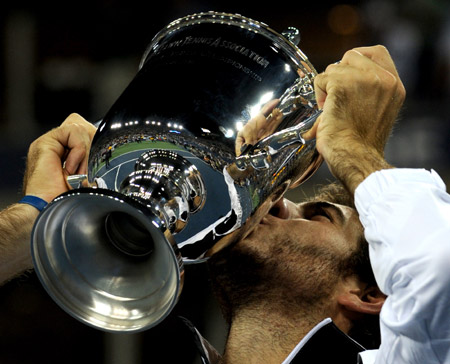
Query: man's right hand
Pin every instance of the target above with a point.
(67, 145)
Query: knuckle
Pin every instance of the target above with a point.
(401, 91)
(387, 81)
(74, 116)
(371, 79)
(33, 146)
(379, 51)
(72, 119)
(331, 67)
(348, 53)
(381, 48)
(318, 78)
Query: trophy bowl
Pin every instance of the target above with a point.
(189, 157)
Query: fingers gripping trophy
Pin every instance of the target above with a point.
(189, 158)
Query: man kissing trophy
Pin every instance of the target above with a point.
(202, 141)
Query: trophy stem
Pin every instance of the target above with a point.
(169, 185)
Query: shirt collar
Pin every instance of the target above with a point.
(324, 344)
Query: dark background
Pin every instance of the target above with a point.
(62, 57)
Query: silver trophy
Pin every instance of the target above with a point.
(186, 161)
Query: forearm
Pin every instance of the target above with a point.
(353, 166)
(16, 223)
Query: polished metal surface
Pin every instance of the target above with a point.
(182, 165)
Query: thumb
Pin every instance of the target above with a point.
(312, 133)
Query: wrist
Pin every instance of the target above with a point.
(353, 166)
(47, 193)
(34, 201)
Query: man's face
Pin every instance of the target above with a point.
(295, 253)
(316, 224)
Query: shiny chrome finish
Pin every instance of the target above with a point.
(183, 164)
(292, 34)
(116, 279)
(168, 185)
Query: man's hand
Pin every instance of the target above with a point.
(61, 152)
(45, 177)
(360, 97)
(259, 127)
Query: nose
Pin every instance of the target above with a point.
(280, 209)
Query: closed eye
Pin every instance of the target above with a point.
(317, 212)
(320, 213)
(322, 210)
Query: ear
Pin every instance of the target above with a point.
(368, 300)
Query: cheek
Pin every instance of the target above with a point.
(302, 266)
(286, 240)
(323, 237)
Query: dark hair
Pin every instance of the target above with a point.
(333, 192)
(366, 331)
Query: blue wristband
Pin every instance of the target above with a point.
(34, 201)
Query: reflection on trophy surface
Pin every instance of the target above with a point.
(185, 162)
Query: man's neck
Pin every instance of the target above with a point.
(265, 335)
